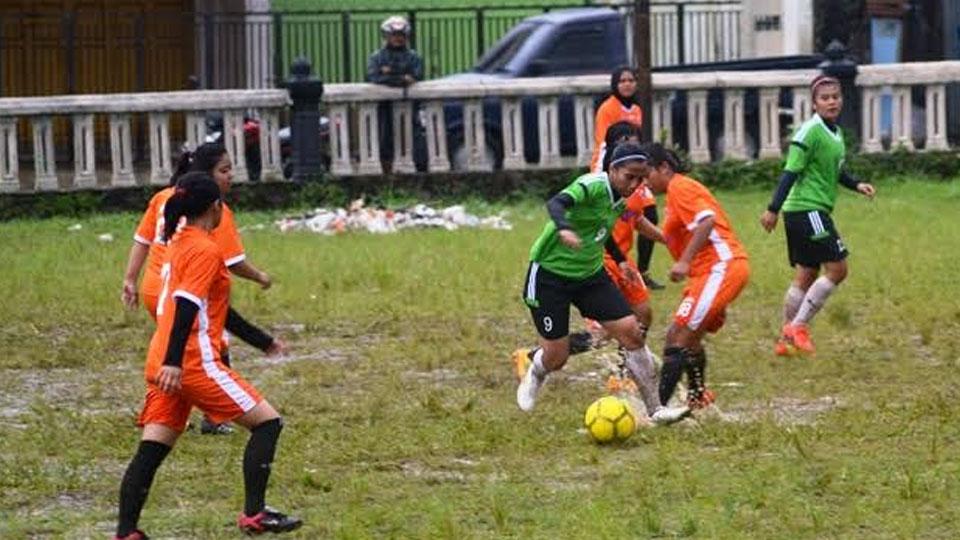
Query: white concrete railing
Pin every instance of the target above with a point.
(347, 102)
(120, 108)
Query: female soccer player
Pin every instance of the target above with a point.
(148, 244)
(709, 256)
(184, 369)
(807, 193)
(566, 267)
(623, 105)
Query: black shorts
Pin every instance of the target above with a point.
(812, 239)
(549, 296)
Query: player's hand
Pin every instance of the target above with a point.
(631, 273)
(169, 379)
(264, 280)
(866, 189)
(679, 271)
(569, 239)
(276, 349)
(768, 220)
(129, 294)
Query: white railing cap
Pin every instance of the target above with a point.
(190, 100)
(909, 73)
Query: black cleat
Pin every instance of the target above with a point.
(651, 283)
(269, 520)
(209, 428)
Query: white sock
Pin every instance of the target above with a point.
(641, 366)
(537, 365)
(791, 302)
(815, 298)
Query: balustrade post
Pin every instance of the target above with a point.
(549, 124)
(369, 139)
(340, 163)
(44, 162)
(584, 119)
(271, 167)
(160, 168)
(196, 129)
(438, 160)
(305, 92)
(475, 136)
(734, 134)
(403, 137)
(902, 118)
(85, 170)
(769, 123)
(9, 158)
(663, 118)
(802, 106)
(121, 151)
(870, 138)
(235, 143)
(699, 141)
(936, 111)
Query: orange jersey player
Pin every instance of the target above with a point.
(712, 260)
(184, 368)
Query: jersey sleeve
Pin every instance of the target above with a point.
(801, 146)
(199, 273)
(147, 228)
(227, 238)
(692, 207)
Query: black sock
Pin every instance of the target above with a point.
(580, 342)
(674, 364)
(256, 464)
(136, 483)
(697, 373)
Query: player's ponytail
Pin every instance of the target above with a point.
(183, 166)
(194, 194)
(203, 159)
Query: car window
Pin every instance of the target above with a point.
(578, 50)
(503, 51)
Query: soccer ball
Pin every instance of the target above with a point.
(610, 419)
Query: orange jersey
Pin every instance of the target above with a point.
(194, 270)
(150, 232)
(610, 112)
(688, 203)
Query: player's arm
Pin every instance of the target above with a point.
(628, 268)
(852, 183)
(138, 254)
(699, 238)
(248, 271)
(557, 208)
(184, 314)
(250, 333)
(648, 230)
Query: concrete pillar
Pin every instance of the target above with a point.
(584, 117)
(699, 139)
(369, 139)
(734, 133)
(234, 142)
(196, 129)
(84, 166)
(902, 118)
(936, 111)
(663, 118)
(9, 158)
(474, 136)
(870, 123)
(512, 123)
(341, 163)
(160, 168)
(548, 121)
(121, 151)
(437, 160)
(403, 137)
(44, 162)
(769, 123)
(271, 165)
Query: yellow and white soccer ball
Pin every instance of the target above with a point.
(610, 419)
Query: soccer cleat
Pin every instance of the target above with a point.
(706, 398)
(621, 385)
(669, 415)
(209, 428)
(269, 520)
(521, 361)
(651, 283)
(528, 389)
(135, 535)
(784, 348)
(799, 335)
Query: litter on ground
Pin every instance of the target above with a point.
(358, 217)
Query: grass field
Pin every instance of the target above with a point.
(399, 401)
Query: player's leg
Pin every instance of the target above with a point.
(548, 298)
(163, 418)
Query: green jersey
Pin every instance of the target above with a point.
(816, 156)
(596, 206)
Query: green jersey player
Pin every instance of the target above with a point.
(566, 267)
(806, 195)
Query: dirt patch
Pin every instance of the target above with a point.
(90, 391)
(785, 411)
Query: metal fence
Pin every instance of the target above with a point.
(96, 51)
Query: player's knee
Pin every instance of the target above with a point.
(837, 273)
(270, 428)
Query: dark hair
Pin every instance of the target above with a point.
(615, 81)
(194, 194)
(627, 152)
(660, 154)
(617, 133)
(203, 159)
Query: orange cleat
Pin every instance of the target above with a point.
(799, 335)
(707, 398)
(619, 385)
(783, 347)
(521, 361)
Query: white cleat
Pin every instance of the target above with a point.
(669, 415)
(528, 390)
